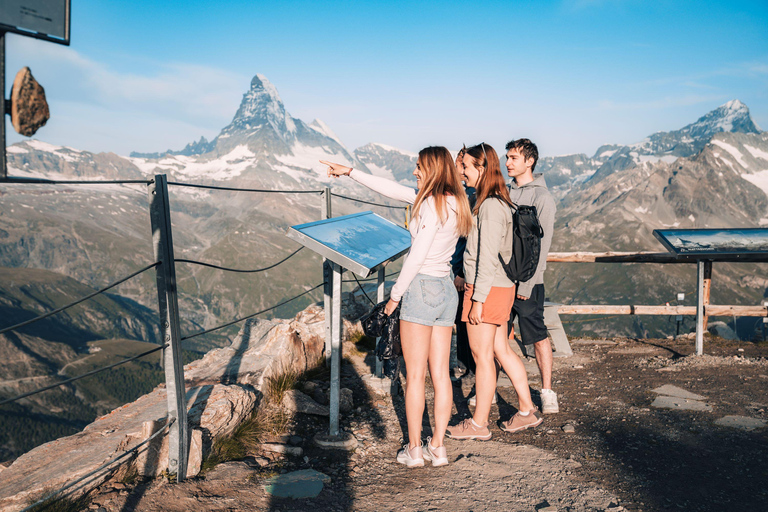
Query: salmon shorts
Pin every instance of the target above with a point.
(497, 305)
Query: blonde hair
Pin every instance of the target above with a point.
(440, 180)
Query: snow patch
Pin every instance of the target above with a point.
(16, 149)
(640, 209)
(735, 153)
(756, 152)
(565, 171)
(758, 179)
(607, 153)
(381, 171)
(692, 218)
(390, 148)
(653, 159)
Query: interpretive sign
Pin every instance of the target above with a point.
(42, 19)
(712, 243)
(360, 242)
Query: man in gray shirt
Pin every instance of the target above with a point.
(527, 188)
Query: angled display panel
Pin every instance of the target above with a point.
(360, 242)
(41, 19)
(749, 242)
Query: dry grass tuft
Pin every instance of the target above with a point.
(63, 504)
(276, 385)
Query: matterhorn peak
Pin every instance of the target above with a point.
(261, 107)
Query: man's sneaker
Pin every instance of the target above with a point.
(411, 457)
(438, 456)
(549, 402)
(473, 399)
(519, 422)
(468, 429)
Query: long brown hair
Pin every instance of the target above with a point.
(491, 182)
(441, 179)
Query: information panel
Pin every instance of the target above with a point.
(42, 19)
(714, 242)
(360, 242)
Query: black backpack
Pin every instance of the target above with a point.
(526, 244)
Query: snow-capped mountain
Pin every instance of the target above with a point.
(388, 162)
(564, 173)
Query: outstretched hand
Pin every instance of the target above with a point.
(336, 170)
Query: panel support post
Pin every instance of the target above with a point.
(379, 298)
(3, 160)
(325, 213)
(700, 307)
(160, 217)
(336, 333)
(707, 290)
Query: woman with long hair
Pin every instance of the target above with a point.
(488, 296)
(439, 216)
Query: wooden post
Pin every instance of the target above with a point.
(160, 217)
(327, 276)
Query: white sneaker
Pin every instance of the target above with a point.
(411, 457)
(473, 399)
(549, 402)
(438, 456)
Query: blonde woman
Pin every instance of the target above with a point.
(488, 296)
(425, 287)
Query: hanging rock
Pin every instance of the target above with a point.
(345, 400)
(29, 109)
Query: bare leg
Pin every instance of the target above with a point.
(415, 339)
(439, 363)
(543, 351)
(514, 367)
(481, 343)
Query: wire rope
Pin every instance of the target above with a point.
(239, 270)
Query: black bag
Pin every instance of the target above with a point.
(378, 324)
(526, 244)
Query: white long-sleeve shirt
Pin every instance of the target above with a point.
(432, 242)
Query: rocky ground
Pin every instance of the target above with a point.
(624, 453)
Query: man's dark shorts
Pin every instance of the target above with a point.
(530, 316)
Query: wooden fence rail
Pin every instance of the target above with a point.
(701, 311)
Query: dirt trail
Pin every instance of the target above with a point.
(624, 455)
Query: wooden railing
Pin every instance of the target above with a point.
(702, 310)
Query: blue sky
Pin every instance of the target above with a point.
(571, 75)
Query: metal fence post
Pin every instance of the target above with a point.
(160, 216)
(699, 307)
(327, 275)
(379, 298)
(3, 160)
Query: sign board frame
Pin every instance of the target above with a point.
(48, 20)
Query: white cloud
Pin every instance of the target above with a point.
(197, 100)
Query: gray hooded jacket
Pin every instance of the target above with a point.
(536, 194)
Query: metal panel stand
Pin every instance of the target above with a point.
(160, 217)
(335, 438)
(699, 307)
(325, 213)
(379, 298)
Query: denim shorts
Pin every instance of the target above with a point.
(430, 300)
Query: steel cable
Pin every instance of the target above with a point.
(36, 181)
(213, 187)
(367, 202)
(362, 289)
(251, 315)
(368, 278)
(58, 310)
(238, 270)
(102, 467)
(88, 374)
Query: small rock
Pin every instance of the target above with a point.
(118, 485)
(309, 387)
(296, 401)
(295, 440)
(319, 396)
(569, 429)
(29, 109)
(281, 448)
(345, 400)
(262, 461)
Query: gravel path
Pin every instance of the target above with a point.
(624, 454)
